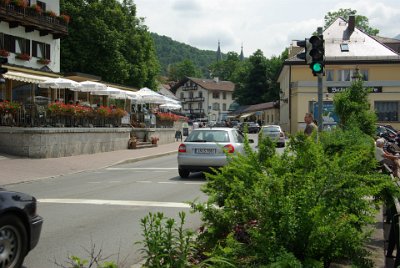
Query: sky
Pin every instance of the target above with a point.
(268, 25)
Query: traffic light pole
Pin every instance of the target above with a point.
(320, 94)
(320, 104)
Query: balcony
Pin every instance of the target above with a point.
(194, 99)
(31, 20)
(191, 87)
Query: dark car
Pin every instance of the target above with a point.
(252, 127)
(20, 227)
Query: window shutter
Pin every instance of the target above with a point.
(27, 46)
(47, 51)
(34, 48)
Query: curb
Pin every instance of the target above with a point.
(137, 159)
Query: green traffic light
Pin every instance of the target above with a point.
(317, 67)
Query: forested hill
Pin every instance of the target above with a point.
(171, 52)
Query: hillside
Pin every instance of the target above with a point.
(170, 51)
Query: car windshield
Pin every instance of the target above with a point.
(271, 129)
(208, 136)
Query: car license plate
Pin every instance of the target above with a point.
(205, 151)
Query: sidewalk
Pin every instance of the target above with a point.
(15, 169)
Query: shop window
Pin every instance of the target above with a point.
(387, 110)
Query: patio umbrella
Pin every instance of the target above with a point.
(89, 86)
(60, 83)
(150, 96)
(109, 91)
(171, 106)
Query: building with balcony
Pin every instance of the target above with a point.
(348, 51)
(205, 98)
(30, 35)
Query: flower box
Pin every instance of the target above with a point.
(44, 61)
(65, 18)
(4, 53)
(23, 56)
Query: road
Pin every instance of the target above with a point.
(104, 207)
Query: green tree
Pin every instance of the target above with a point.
(183, 69)
(362, 22)
(353, 108)
(225, 69)
(107, 39)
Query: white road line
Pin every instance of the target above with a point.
(167, 182)
(115, 203)
(111, 168)
(194, 183)
(95, 182)
(145, 181)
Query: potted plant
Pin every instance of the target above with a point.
(43, 61)
(132, 142)
(65, 18)
(36, 8)
(154, 140)
(4, 53)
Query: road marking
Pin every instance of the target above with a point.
(145, 181)
(115, 203)
(111, 168)
(167, 182)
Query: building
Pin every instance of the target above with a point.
(205, 98)
(267, 113)
(30, 35)
(347, 50)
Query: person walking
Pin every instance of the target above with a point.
(310, 125)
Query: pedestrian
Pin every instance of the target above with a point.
(310, 125)
(384, 156)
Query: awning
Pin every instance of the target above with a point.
(23, 77)
(246, 115)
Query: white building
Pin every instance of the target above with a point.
(205, 98)
(30, 39)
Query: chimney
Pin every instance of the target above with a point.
(351, 23)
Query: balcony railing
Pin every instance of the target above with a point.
(192, 87)
(194, 99)
(31, 20)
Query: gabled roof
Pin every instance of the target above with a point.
(208, 84)
(255, 107)
(361, 46)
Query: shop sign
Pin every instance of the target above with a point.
(340, 89)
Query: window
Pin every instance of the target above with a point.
(224, 107)
(344, 47)
(40, 50)
(200, 94)
(42, 5)
(344, 75)
(182, 95)
(364, 74)
(190, 106)
(329, 75)
(215, 106)
(215, 95)
(267, 118)
(224, 95)
(191, 95)
(387, 110)
(272, 118)
(200, 105)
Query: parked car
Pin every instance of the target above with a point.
(386, 132)
(20, 227)
(275, 133)
(204, 148)
(252, 127)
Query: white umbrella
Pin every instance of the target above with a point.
(171, 106)
(89, 86)
(60, 83)
(109, 91)
(150, 96)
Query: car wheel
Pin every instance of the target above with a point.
(184, 173)
(13, 241)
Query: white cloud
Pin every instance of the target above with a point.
(268, 25)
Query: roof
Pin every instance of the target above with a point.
(208, 84)
(361, 46)
(256, 107)
(386, 40)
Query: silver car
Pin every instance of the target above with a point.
(204, 148)
(275, 133)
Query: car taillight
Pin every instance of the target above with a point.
(229, 148)
(182, 148)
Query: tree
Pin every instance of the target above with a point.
(225, 69)
(180, 70)
(107, 39)
(353, 108)
(362, 22)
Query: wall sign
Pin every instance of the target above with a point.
(340, 89)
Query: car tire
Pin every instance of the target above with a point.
(13, 241)
(184, 173)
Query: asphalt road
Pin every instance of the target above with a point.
(103, 208)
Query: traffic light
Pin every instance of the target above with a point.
(307, 48)
(3, 60)
(317, 54)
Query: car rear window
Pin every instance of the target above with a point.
(271, 129)
(208, 136)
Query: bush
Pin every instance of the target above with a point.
(309, 203)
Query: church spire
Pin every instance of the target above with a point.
(219, 55)
(241, 57)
